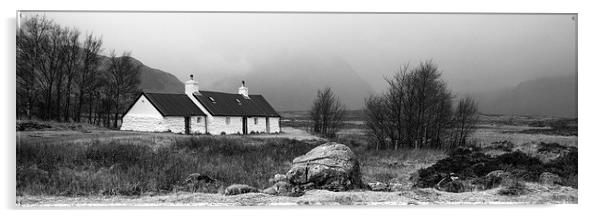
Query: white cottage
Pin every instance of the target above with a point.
(202, 112)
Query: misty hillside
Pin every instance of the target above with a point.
(554, 96)
(153, 80)
(290, 82)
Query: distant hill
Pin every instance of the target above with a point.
(553, 96)
(153, 80)
(291, 81)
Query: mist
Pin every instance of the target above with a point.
(477, 53)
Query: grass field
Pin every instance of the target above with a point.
(71, 162)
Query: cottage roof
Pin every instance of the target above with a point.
(227, 104)
(173, 104)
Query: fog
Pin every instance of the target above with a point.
(476, 52)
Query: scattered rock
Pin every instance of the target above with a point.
(278, 178)
(237, 189)
(330, 166)
(496, 178)
(451, 183)
(395, 187)
(283, 188)
(379, 186)
(547, 178)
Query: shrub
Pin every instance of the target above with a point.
(473, 165)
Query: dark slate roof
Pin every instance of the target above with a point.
(173, 104)
(227, 104)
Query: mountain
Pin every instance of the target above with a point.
(153, 80)
(291, 81)
(553, 96)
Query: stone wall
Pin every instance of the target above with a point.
(143, 123)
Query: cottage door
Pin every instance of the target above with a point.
(187, 125)
(267, 124)
(244, 125)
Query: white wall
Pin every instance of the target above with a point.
(274, 124)
(217, 125)
(197, 125)
(143, 107)
(143, 123)
(174, 124)
(143, 116)
(260, 127)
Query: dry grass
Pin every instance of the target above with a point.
(120, 167)
(487, 134)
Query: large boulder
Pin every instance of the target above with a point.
(330, 166)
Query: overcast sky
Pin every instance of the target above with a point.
(476, 52)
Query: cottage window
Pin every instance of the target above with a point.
(198, 119)
(255, 120)
(227, 120)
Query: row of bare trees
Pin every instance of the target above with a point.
(62, 76)
(416, 111)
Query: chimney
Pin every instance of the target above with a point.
(244, 91)
(191, 86)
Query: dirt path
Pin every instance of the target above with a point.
(537, 194)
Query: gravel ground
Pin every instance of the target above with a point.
(537, 194)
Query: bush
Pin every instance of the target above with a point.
(471, 164)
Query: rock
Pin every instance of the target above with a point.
(278, 178)
(455, 186)
(197, 177)
(395, 187)
(237, 189)
(283, 188)
(496, 178)
(451, 183)
(330, 166)
(378, 186)
(547, 178)
(270, 191)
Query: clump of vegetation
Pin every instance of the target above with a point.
(471, 164)
(31, 125)
(122, 168)
(62, 76)
(416, 111)
(327, 113)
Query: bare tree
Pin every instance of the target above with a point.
(378, 121)
(71, 69)
(415, 110)
(31, 36)
(123, 80)
(464, 120)
(327, 113)
(87, 77)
